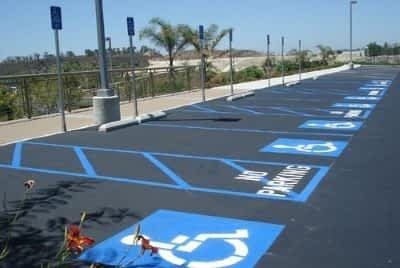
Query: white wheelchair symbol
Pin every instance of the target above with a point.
(327, 147)
(178, 244)
(340, 125)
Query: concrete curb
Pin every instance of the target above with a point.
(240, 96)
(292, 83)
(130, 122)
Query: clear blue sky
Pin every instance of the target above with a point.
(25, 26)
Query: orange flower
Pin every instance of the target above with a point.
(77, 242)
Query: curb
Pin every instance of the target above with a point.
(130, 122)
(240, 96)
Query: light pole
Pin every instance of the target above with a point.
(353, 2)
(105, 103)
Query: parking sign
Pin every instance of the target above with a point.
(56, 21)
(131, 26)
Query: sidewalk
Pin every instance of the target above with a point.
(23, 129)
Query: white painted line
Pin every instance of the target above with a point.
(180, 239)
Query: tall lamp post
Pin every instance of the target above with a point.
(105, 104)
(353, 2)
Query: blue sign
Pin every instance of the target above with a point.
(230, 35)
(332, 125)
(268, 40)
(131, 26)
(56, 20)
(363, 98)
(306, 147)
(354, 105)
(201, 32)
(188, 240)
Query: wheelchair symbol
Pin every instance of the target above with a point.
(327, 147)
(340, 125)
(182, 243)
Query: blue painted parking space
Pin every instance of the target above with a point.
(306, 147)
(354, 105)
(238, 177)
(191, 241)
(332, 125)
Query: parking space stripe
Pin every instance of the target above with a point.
(16, 160)
(84, 161)
(166, 170)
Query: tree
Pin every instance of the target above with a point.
(326, 53)
(89, 53)
(166, 36)
(212, 37)
(374, 49)
(70, 54)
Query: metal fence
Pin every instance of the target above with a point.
(37, 94)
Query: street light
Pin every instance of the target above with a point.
(353, 2)
(105, 104)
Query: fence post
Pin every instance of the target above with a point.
(188, 78)
(27, 99)
(151, 85)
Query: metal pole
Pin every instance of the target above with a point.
(268, 62)
(300, 60)
(351, 34)
(104, 91)
(231, 58)
(60, 84)
(132, 52)
(282, 61)
(202, 71)
(108, 39)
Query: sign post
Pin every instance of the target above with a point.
(231, 57)
(283, 61)
(56, 25)
(268, 62)
(300, 60)
(202, 66)
(131, 32)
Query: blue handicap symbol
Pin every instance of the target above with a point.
(332, 125)
(354, 105)
(188, 240)
(306, 147)
(363, 98)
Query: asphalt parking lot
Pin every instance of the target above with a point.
(302, 176)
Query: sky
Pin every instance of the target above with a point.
(25, 24)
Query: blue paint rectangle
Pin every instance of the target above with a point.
(354, 105)
(188, 240)
(363, 98)
(332, 125)
(306, 147)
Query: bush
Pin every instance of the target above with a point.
(249, 74)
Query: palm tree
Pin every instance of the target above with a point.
(166, 36)
(326, 53)
(212, 37)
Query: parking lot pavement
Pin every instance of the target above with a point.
(301, 176)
